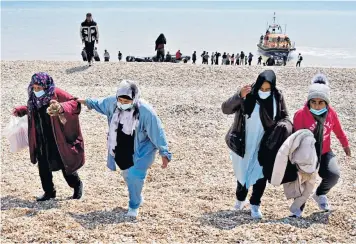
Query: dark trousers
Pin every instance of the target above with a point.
(329, 172)
(298, 63)
(46, 176)
(89, 49)
(194, 61)
(249, 62)
(160, 55)
(259, 62)
(257, 191)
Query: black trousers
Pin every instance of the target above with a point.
(194, 61)
(257, 191)
(298, 64)
(89, 49)
(46, 176)
(160, 55)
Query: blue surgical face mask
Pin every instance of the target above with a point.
(39, 93)
(124, 106)
(264, 95)
(318, 112)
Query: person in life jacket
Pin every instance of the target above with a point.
(89, 34)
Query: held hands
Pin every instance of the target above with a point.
(245, 90)
(54, 108)
(81, 101)
(164, 162)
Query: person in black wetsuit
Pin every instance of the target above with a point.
(194, 57)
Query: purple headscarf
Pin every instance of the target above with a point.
(45, 80)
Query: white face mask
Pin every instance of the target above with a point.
(264, 95)
(124, 106)
(39, 93)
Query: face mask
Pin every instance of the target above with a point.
(264, 95)
(39, 93)
(318, 112)
(124, 106)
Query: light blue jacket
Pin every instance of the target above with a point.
(149, 134)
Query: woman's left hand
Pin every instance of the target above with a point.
(165, 162)
(347, 150)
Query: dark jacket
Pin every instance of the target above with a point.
(269, 147)
(235, 138)
(160, 42)
(68, 137)
(89, 31)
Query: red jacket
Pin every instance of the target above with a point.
(178, 55)
(303, 119)
(68, 137)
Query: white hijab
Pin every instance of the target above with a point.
(128, 118)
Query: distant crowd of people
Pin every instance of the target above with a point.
(89, 33)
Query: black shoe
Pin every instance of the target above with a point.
(78, 191)
(47, 196)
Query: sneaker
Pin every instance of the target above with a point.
(296, 214)
(322, 201)
(78, 191)
(256, 212)
(46, 196)
(239, 205)
(132, 212)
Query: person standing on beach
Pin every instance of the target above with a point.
(135, 135)
(119, 56)
(54, 135)
(250, 56)
(89, 34)
(232, 59)
(246, 60)
(259, 60)
(194, 57)
(106, 56)
(318, 116)
(159, 47)
(242, 58)
(217, 56)
(212, 58)
(237, 59)
(96, 55)
(257, 109)
(300, 59)
(224, 56)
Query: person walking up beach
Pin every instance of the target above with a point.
(319, 116)
(259, 60)
(54, 135)
(194, 57)
(135, 135)
(159, 47)
(300, 59)
(257, 109)
(89, 34)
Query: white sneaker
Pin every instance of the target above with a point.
(132, 212)
(296, 214)
(322, 201)
(256, 212)
(239, 205)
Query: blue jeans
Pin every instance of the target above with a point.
(135, 178)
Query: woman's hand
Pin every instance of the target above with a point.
(165, 162)
(81, 101)
(245, 90)
(347, 150)
(54, 108)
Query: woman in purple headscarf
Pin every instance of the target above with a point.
(55, 138)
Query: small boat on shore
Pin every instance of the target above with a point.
(275, 42)
(147, 59)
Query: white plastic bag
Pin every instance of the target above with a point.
(17, 133)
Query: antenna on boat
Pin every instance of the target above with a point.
(274, 17)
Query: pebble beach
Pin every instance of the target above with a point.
(192, 200)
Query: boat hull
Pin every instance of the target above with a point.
(274, 51)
